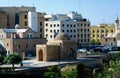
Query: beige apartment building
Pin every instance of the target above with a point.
(101, 31)
(3, 19)
(13, 14)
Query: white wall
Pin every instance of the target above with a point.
(32, 20)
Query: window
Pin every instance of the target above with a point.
(114, 39)
(46, 30)
(50, 36)
(54, 30)
(88, 30)
(62, 30)
(57, 30)
(74, 25)
(62, 25)
(88, 35)
(70, 25)
(40, 23)
(67, 25)
(84, 30)
(81, 30)
(85, 25)
(46, 24)
(74, 36)
(97, 35)
(18, 46)
(67, 30)
(70, 30)
(106, 39)
(50, 30)
(57, 25)
(81, 25)
(81, 35)
(88, 24)
(78, 25)
(102, 31)
(93, 31)
(7, 44)
(26, 23)
(40, 35)
(29, 35)
(84, 35)
(81, 40)
(111, 31)
(78, 35)
(41, 30)
(74, 31)
(26, 45)
(97, 31)
(25, 17)
(46, 35)
(77, 30)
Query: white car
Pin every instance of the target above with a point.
(82, 51)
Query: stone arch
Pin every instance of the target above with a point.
(40, 55)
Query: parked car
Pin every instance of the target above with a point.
(82, 51)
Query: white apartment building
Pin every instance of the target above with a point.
(71, 23)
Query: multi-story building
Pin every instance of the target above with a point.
(3, 19)
(22, 40)
(101, 31)
(10, 16)
(13, 14)
(72, 24)
(112, 38)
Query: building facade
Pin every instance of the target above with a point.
(112, 38)
(72, 24)
(20, 40)
(13, 14)
(101, 31)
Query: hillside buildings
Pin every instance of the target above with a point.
(71, 23)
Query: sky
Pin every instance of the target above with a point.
(97, 11)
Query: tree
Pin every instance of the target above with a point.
(93, 42)
(13, 59)
(1, 59)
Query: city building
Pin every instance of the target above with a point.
(13, 14)
(71, 23)
(101, 31)
(61, 48)
(112, 38)
(22, 40)
(3, 19)
(10, 16)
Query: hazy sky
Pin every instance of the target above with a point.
(97, 11)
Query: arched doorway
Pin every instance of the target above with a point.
(40, 55)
